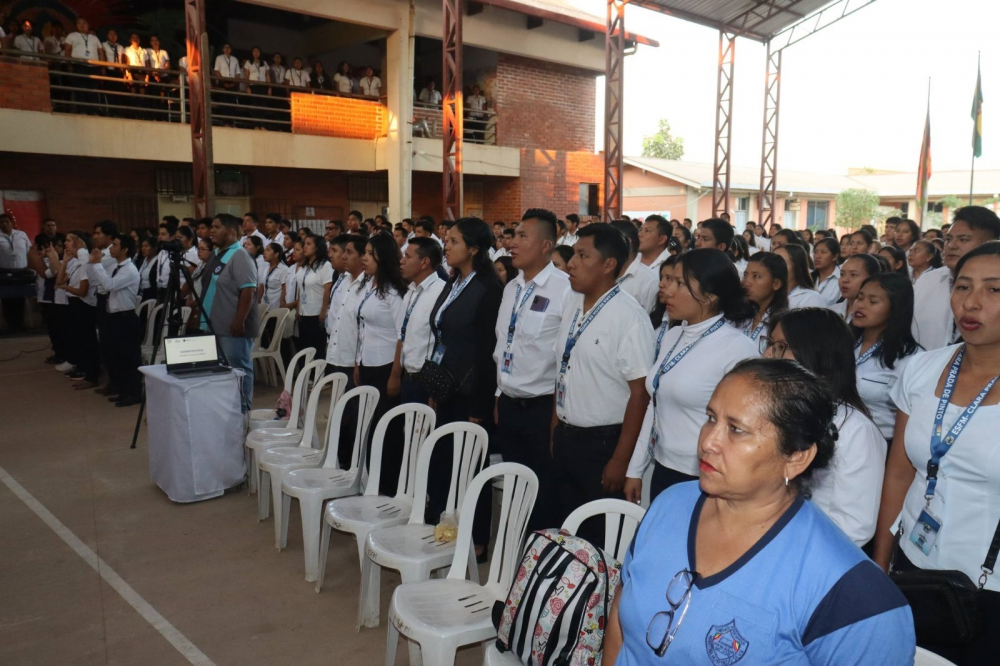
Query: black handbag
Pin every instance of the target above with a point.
(439, 383)
(945, 603)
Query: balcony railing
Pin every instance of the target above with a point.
(480, 126)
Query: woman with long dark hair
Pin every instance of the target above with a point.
(826, 273)
(801, 289)
(923, 256)
(884, 344)
(505, 269)
(683, 234)
(378, 312)
(907, 233)
(147, 271)
(463, 326)
(740, 252)
(853, 273)
(320, 80)
(766, 285)
(896, 259)
(658, 317)
(272, 281)
(849, 490)
(315, 282)
(704, 293)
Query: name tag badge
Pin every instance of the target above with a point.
(561, 393)
(508, 362)
(539, 304)
(653, 438)
(438, 353)
(924, 534)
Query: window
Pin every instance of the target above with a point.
(590, 199)
(740, 214)
(816, 214)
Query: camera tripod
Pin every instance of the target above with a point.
(174, 320)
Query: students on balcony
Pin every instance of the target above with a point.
(429, 95)
(255, 69)
(55, 43)
(476, 105)
(83, 46)
(297, 76)
(227, 67)
(320, 80)
(342, 79)
(370, 85)
(159, 60)
(26, 41)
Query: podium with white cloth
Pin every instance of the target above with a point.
(195, 428)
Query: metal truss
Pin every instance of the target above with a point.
(202, 163)
(767, 196)
(451, 121)
(614, 96)
(723, 126)
(813, 23)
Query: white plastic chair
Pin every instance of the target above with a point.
(292, 439)
(155, 335)
(277, 463)
(928, 658)
(443, 615)
(150, 337)
(361, 515)
(621, 520)
(412, 549)
(289, 434)
(313, 486)
(269, 358)
(268, 418)
(142, 308)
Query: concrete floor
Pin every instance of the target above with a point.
(209, 569)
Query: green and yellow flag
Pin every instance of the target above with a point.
(977, 117)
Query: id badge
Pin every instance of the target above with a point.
(561, 393)
(508, 363)
(438, 353)
(925, 531)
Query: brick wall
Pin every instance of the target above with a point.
(502, 199)
(543, 105)
(24, 85)
(551, 179)
(344, 117)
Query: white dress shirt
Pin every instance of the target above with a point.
(122, 284)
(276, 73)
(30, 44)
(312, 284)
(660, 258)
(53, 45)
(273, 280)
(162, 269)
(850, 489)
(875, 382)
(227, 66)
(419, 338)
(342, 83)
(292, 283)
(567, 239)
(763, 242)
(107, 261)
(535, 347)
(144, 271)
(113, 53)
(641, 283)
(933, 321)
(830, 287)
(371, 86)
(76, 273)
(342, 347)
(741, 267)
(376, 318)
(966, 498)
(841, 309)
(255, 71)
(158, 59)
(800, 297)
(257, 233)
(684, 394)
(14, 249)
(430, 96)
(297, 77)
(85, 47)
(137, 57)
(612, 351)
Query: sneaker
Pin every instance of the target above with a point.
(65, 366)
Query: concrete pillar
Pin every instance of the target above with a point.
(399, 100)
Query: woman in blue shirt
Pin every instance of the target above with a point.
(739, 568)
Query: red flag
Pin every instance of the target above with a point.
(924, 170)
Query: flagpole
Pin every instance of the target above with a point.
(972, 171)
(923, 213)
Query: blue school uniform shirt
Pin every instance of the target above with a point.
(804, 594)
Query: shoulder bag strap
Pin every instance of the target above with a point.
(991, 557)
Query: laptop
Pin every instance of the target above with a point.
(193, 357)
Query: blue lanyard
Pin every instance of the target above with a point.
(371, 290)
(940, 446)
(755, 333)
(452, 295)
(669, 362)
(659, 338)
(409, 310)
(340, 280)
(867, 355)
(516, 309)
(572, 338)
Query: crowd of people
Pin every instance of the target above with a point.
(609, 357)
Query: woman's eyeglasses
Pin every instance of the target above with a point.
(663, 627)
(779, 346)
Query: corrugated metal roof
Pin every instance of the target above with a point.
(757, 19)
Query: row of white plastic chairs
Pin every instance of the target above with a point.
(437, 616)
(266, 357)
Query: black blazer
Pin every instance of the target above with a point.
(316, 85)
(468, 331)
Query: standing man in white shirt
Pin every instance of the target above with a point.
(637, 280)
(526, 353)
(418, 266)
(572, 224)
(297, 76)
(933, 321)
(371, 85)
(654, 235)
(114, 52)
(272, 230)
(120, 351)
(27, 41)
(604, 346)
(227, 67)
(341, 325)
(429, 95)
(83, 46)
(14, 246)
(475, 105)
(159, 60)
(250, 229)
(136, 56)
(714, 233)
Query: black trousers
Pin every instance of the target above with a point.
(524, 429)
(312, 334)
(982, 650)
(664, 477)
(54, 317)
(439, 476)
(86, 352)
(124, 355)
(410, 390)
(13, 312)
(350, 416)
(579, 456)
(392, 447)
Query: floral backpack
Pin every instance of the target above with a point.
(558, 604)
